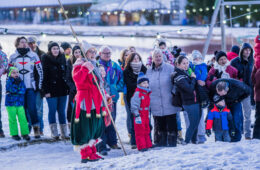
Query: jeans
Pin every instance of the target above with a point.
(30, 107)
(201, 129)
(256, 133)
(1, 126)
(128, 116)
(246, 105)
(57, 104)
(222, 136)
(70, 106)
(39, 107)
(110, 133)
(178, 117)
(194, 114)
(236, 111)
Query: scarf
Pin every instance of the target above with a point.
(23, 51)
(136, 67)
(222, 69)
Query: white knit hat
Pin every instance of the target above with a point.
(86, 46)
(196, 54)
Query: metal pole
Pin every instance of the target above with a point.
(212, 24)
(231, 25)
(103, 97)
(222, 24)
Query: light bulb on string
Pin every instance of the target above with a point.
(168, 11)
(87, 13)
(132, 37)
(115, 13)
(248, 10)
(43, 35)
(224, 22)
(227, 6)
(200, 9)
(255, 10)
(179, 31)
(108, 13)
(174, 11)
(248, 17)
(143, 10)
(5, 31)
(234, 8)
(207, 9)
(181, 11)
(188, 11)
(194, 10)
(158, 36)
(213, 7)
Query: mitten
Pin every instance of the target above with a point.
(208, 132)
(138, 120)
(218, 74)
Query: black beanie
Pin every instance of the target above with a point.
(162, 43)
(65, 45)
(52, 44)
(219, 54)
(217, 98)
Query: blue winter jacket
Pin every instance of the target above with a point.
(114, 77)
(200, 71)
(15, 90)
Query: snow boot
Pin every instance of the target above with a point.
(180, 139)
(36, 130)
(172, 139)
(2, 135)
(162, 139)
(26, 137)
(143, 150)
(115, 147)
(54, 131)
(63, 130)
(16, 137)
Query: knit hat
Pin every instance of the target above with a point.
(219, 54)
(235, 49)
(217, 98)
(52, 44)
(32, 40)
(162, 43)
(11, 69)
(141, 78)
(65, 45)
(196, 54)
(86, 46)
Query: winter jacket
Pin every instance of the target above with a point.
(231, 55)
(161, 87)
(200, 71)
(256, 70)
(130, 80)
(3, 63)
(69, 80)
(167, 57)
(237, 92)
(215, 74)
(40, 53)
(114, 77)
(140, 102)
(220, 120)
(257, 52)
(25, 60)
(54, 80)
(186, 86)
(15, 90)
(244, 67)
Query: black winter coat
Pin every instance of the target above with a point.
(40, 53)
(54, 78)
(69, 79)
(186, 86)
(130, 80)
(238, 91)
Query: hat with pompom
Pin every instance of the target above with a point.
(141, 78)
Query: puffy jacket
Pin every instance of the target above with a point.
(257, 52)
(256, 71)
(231, 55)
(236, 93)
(25, 61)
(54, 80)
(40, 53)
(220, 120)
(114, 77)
(15, 91)
(3, 63)
(130, 80)
(200, 71)
(70, 82)
(186, 86)
(161, 87)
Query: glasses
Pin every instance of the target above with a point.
(92, 51)
(107, 53)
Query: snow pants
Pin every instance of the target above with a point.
(18, 111)
(142, 132)
(222, 136)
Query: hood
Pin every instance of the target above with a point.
(244, 46)
(231, 55)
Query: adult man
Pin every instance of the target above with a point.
(114, 78)
(244, 64)
(67, 49)
(39, 100)
(24, 59)
(234, 92)
(3, 67)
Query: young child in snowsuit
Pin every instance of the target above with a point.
(221, 119)
(14, 101)
(140, 104)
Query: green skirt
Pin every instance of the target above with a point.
(86, 129)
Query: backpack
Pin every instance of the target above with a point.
(176, 96)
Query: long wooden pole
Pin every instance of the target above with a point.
(222, 24)
(103, 97)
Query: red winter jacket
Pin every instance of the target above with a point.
(231, 55)
(256, 70)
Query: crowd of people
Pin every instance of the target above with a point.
(82, 86)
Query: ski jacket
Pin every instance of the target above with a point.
(15, 91)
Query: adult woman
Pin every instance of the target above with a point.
(55, 88)
(185, 85)
(221, 69)
(163, 111)
(123, 56)
(87, 122)
(133, 67)
(76, 53)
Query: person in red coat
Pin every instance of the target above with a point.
(234, 53)
(221, 69)
(140, 104)
(256, 82)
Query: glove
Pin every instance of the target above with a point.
(218, 74)
(138, 120)
(233, 133)
(208, 132)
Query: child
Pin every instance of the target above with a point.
(140, 104)
(221, 120)
(15, 90)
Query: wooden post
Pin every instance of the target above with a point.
(212, 24)
(222, 24)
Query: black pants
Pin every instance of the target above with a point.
(70, 106)
(167, 124)
(256, 133)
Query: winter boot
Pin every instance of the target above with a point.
(36, 130)
(16, 137)
(180, 139)
(172, 139)
(115, 147)
(63, 130)
(54, 131)
(2, 135)
(162, 139)
(26, 137)
(143, 150)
